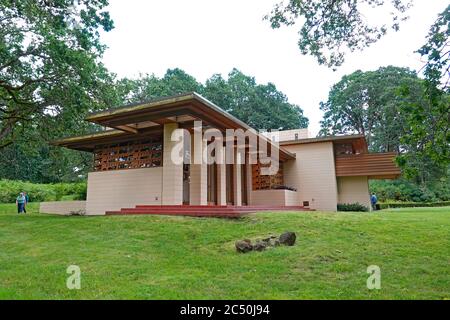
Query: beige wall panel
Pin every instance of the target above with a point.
(274, 198)
(312, 173)
(113, 190)
(354, 189)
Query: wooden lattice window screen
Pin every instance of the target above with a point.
(129, 155)
(266, 182)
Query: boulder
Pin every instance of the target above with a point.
(288, 238)
(243, 246)
(260, 246)
(271, 242)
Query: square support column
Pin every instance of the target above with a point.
(249, 175)
(221, 176)
(237, 179)
(198, 187)
(172, 179)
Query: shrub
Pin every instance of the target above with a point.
(406, 191)
(414, 204)
(9, 189)
(80, 191)
(352, 207)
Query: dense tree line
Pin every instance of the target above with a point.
(261, 106)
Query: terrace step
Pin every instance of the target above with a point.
(182, 213)
(202, 210)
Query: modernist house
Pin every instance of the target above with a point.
(133, 167)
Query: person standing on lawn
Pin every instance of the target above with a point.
(21, 202)
(27, 199)
(373, 201)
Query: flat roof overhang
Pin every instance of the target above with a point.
(148, 117)
(167, 109)
(89, 142)
(357, 140)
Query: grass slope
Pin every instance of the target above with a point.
(160, 257)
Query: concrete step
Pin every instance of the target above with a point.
(203, 210)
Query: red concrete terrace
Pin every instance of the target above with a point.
(203, 210)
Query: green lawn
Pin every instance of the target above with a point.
(158, 257)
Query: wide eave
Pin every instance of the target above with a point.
(146, 118)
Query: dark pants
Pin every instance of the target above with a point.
(374, 206)
(20, 207)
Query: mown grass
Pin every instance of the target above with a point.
(160, 257)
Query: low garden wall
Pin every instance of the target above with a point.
(274, 198)
(63, 207)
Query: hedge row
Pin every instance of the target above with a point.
(9, 190)
(414, 204)
(353, 207)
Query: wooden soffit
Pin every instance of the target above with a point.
(372, 165)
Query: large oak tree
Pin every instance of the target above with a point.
(49, 62)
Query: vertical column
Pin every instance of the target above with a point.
(221, 176)
(248, 167)
(172, 185)
(198, 183)
(237, 179)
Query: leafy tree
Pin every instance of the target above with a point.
(429, 123)
(49, 65)
(260, 106)
(368, 103)
(437, 53)
(380, 105)
(329, 25)
(35, 160)
(147, 87)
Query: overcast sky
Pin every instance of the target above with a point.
(204, 37)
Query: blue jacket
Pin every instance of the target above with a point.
(373, 199)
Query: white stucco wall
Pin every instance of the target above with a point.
(312, 173)
(113, 190)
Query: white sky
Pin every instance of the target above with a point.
(204, 37)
